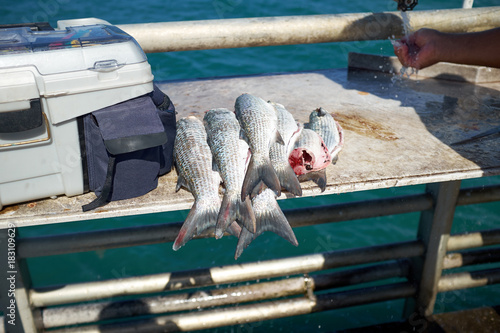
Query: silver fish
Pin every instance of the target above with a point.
(269, 217)
(278, 153)
(310, 157)
(193, 160)
(328, 129)
(223, 133)
(259, 124)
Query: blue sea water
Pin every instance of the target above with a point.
(152, 259)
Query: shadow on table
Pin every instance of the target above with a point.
(452, 110)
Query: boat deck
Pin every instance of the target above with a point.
(398, 132)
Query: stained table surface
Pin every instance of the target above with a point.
(398, 132)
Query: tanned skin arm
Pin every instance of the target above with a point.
(426, 47)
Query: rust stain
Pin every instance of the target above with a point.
(9, 209)
(365, 127)
(31, 205)
(363, 93)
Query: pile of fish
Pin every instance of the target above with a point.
(254, 151)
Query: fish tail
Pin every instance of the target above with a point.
(319, 177)
(251, 179)
(234, 229)
(246, 237)
(274, 220)
(289, 181)
(232, 209)
(227, 214)
(257, 172)
(271, 219)
(200, 218)
(247, 216)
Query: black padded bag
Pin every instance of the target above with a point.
(127, 146)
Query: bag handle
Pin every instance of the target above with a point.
(103, 198)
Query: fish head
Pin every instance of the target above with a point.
(307, 159)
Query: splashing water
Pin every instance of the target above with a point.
(407, 29)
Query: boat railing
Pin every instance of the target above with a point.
(306, 29)
(292, 283)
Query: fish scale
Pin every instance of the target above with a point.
(289, 131)
(193, 160)
(258, 121)
(229, 152)
(328, 129)
(223, 136)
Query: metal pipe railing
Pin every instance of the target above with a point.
(265, 31)
(473, 239)
(472, 279)
(473, 257)
(303, 285)
(477, 195)
(160, 233)
(72, 293)
(253, 312)
(237, 273)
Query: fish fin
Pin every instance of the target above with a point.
(335, 159)
(234, 229)
(319, 177)
(181, 182)
(246, 237)
(200, 218)
(274, 220)
(258, 189)
(243, 136)
(227, 214)
(232, 209)
(251, 179)
(321, 112)
(215, 167)
(256, 173)
(288, 180)
(279, 138)
(271, 219)
(335, 151)
(247, 216)
(296, 134)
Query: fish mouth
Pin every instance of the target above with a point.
(301, 160)
(307, 160)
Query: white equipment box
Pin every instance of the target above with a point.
(47, 80)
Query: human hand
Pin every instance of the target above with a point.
(420, 49)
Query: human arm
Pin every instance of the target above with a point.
(426, 47)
